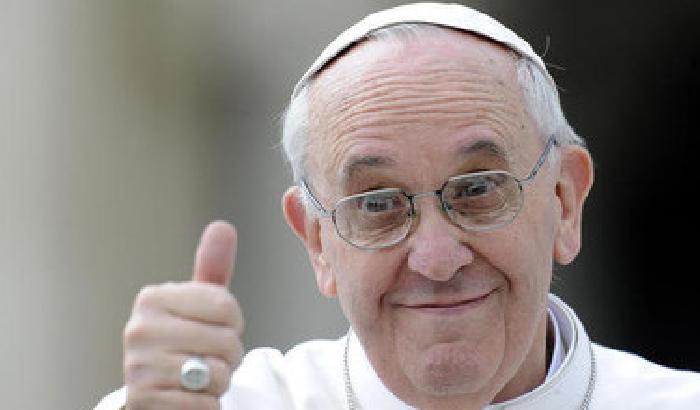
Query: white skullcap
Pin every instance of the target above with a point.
(453, 16)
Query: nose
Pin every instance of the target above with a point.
(436, 249)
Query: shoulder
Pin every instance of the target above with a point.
(630, 381)
(308, 376)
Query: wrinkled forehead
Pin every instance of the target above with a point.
(452, 16)
(413, 90)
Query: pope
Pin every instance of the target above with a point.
(436, 183)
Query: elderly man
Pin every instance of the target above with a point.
(437, 181)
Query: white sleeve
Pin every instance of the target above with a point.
(260, 382)
(113, 401)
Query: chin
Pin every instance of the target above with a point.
(451, 370)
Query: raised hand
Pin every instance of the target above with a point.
(173, 322)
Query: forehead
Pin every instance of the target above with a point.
(392, 100)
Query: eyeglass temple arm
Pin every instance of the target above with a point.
(552, 140)
(314, 201)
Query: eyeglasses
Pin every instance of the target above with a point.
(477, 201)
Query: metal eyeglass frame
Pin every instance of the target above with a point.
(326, 213)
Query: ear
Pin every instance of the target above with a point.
(308, 229)
(574, 183)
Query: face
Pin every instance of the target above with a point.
(447, 315)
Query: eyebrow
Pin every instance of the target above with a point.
(360, 163)
(484, 146)
(366, 161)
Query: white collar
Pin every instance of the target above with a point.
(565, 385)
(558, 348)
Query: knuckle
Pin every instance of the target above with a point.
(229, 337)
(234, 351)
(135, 370)
(147, 292)
(148, 296)
(223, 302)
(137, 329)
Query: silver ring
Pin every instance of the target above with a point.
(195, 374)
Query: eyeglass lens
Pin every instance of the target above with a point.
(476, 201)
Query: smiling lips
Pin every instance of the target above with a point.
(439, 305)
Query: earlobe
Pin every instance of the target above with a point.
(325, 279)
(308, 230)
(573, 186)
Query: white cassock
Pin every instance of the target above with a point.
(311, 376)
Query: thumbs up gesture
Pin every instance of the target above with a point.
(174, 322)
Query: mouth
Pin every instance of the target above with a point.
(448, 306)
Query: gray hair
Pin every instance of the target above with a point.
(540, 93)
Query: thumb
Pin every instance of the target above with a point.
(216, 254)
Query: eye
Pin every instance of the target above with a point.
(480, 193)
(474, 186)
(376, 203)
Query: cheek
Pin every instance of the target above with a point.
(523, 250)
(528, 261)
(362, 279)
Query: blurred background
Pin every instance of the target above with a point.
(125, 126)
